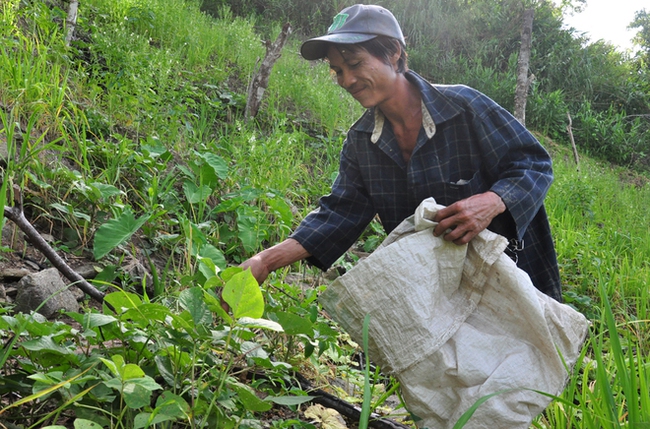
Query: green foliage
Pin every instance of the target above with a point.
(115, 232)
(136, 127)
(641, 22)
(158, 362)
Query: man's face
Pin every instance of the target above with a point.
(367, 78)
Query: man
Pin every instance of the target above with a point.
(415, 141)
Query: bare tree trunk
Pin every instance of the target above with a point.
(71, 21)
(523, 81)
(260, 80)
(573, 142)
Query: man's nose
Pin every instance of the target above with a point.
(347, 79)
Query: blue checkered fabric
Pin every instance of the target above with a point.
(477, 146)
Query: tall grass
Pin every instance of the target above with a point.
(152, 93)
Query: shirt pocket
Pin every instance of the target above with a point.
(447, 193)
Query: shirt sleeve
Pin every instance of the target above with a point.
(330, 230)
(522, 167)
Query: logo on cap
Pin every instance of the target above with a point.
(339, 21)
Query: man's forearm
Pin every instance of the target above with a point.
(278, 256)
(283, 254)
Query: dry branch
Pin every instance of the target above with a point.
(573, 142)
(260, 80)
(16, 215)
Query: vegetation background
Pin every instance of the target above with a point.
(129, 144)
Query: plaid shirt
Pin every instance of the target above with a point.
(468, 145)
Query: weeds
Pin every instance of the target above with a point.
(137, 129)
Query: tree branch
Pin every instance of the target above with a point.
(16, 215)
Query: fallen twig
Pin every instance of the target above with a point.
(16, 215)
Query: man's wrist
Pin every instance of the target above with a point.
(499, 204)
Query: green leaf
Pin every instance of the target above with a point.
(462, 421)
(289, 400)
(367, 392)
(143, 420)
(130, 371)
(214, 254)
(217, 163)
(214, 305)
(195, 194)
(192, 300)
(249, 322)
(115, 232)
(146, 314)
(45, 344)
(86, 424)
(122, 301)
(106, 190)
(172, 405)
(94, 320)
(294, 324)
(114, 383)
(243, 295)
(279, 206)
(207, 267)
(251, 402)
(248, 226)
(146, 382)
(229, 272)
(165, 369)
(136, 396)
(114, 367)
(48, 379)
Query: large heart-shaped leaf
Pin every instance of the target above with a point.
(115, 232)
(294, 324)
(243, 295)
(192, 300)
(218, 164)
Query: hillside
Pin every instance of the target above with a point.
(130, 154)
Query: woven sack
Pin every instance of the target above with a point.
(456, 323)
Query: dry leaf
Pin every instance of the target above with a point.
(327, 417)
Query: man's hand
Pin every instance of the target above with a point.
(278, 256)
(258, 268)
(465, 219)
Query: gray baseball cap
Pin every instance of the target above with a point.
(355, 24)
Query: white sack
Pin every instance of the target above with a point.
(455, 323)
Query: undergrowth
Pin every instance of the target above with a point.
(130, 144)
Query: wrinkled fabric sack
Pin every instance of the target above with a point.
(456, 323)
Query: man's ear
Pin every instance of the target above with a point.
(396, 56)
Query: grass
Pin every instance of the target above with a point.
(143, 113)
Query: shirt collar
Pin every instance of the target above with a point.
(427, 123)
(436, 109)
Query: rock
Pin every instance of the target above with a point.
(12, 236)
(47, 288)
(87, 271)
(10, 273)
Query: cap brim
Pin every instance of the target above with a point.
(316, 48)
